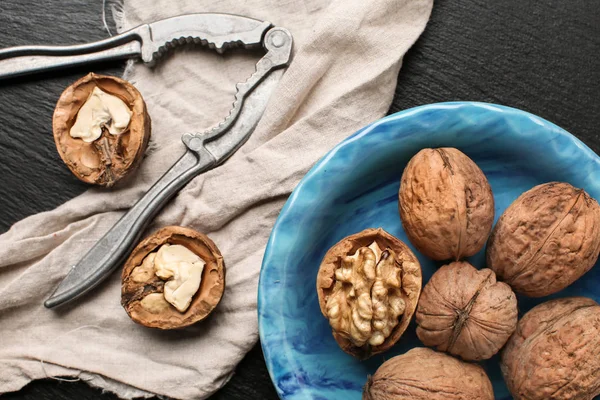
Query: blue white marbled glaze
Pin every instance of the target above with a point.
(355, 187)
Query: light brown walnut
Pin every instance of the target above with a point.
(368, 287)
(555, 352)
(546, 239)
(110, 157)
(425, 374)
(144, 292)
(446, 204)
(465, 312)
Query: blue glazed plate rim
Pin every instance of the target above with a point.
(282, 356)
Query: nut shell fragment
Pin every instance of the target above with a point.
(546, 239)
(139, 288)
(109, 158)
(370, 314)
(446, 204)
(465, 312)
(555, 352)
(424, 374)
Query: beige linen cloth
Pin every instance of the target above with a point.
(346, 62)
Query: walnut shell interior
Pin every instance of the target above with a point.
(466, 312)
(109, 158)
(203, 302)
(409, 275)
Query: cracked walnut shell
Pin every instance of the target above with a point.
(143, 290)
(368, 286)
(546, 239)
(446, 204)
(465, 312)
(424, 374)
(108, 158)
(555, 352)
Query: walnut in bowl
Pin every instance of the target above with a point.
(446, 204)
(546, 239)
(466, 312)
(368, 286)
(424, 374)
(172, 279)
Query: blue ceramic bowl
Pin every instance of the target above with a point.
(355, 186)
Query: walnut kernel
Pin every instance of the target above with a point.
(172, 279)
(97, 138)
(368, 286)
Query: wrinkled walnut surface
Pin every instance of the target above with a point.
(368, 287)
(546, 239)
(446, 204)
(109, 158)
(425, 374)
(465, 312)
(555, 352)
(138, 284)
(366, 301)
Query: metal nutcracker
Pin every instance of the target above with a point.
(204, 151)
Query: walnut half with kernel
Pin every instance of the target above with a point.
(368, 287)
(101, 128)
(424, 374)
(172, 279)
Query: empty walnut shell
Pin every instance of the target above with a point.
(370, 306)
(424, 374)
(465, 312)
(555, 352)
(203, 302)
(110, 157)
(546, 239)
(446, 204)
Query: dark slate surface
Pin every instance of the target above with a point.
(540, 56)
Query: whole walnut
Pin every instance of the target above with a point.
(446, 204)
(546, 239)
(465, 312)
(424, 374)
(368, 287)
(555, 352)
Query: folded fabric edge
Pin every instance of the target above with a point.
(19, 375)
